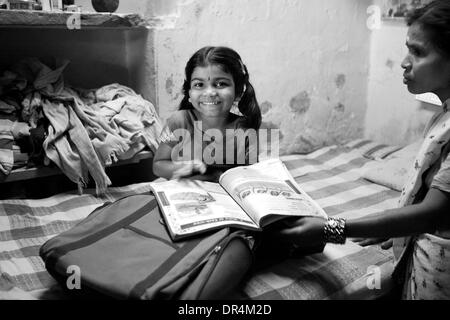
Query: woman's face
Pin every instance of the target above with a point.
(212, 91)
(426, 69)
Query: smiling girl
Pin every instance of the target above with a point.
(218, 99)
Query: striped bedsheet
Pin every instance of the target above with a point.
(331, 175)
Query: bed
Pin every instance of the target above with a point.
(333, 175)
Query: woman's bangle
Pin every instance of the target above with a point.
(334, 230)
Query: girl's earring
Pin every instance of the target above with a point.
(235, 108)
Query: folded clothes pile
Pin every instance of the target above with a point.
(79, 130)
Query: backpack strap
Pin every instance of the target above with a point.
(156, 275)
(92, 238)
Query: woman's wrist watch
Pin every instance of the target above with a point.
(334, 230)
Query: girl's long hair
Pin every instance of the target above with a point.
(230, 62)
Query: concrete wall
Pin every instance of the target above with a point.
(308, 61)
(320, 74)
(393, 114)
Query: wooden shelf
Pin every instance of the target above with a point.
(45, 19)
(39, 172)
(30, 20)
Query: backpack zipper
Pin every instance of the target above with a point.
(203, 259)
(216, 249)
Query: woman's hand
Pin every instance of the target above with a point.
(302, 232)
(385, 244)
(189, 168)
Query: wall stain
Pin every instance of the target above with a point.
(389, 64)
(198, 11)
(339, 107)
(265, 107)
(303, 144)
(271, 125)
(169, 85)
(300, 103)
(340, 80)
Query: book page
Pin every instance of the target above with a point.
(190, 206)
(268, 192)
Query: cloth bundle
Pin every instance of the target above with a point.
(88, 129)
(9, 131)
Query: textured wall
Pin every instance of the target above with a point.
(308, 61)
(320, 74)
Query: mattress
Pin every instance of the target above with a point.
(331, 175)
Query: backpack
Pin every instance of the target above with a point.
(122, 250)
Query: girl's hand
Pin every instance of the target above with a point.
(302, 232)
(189, 168)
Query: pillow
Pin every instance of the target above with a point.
(381, 151)
(392, 172)
(407, 152)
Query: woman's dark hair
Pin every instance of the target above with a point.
(229, 61)
(435, 19)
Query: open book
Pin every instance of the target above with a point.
(249, 197)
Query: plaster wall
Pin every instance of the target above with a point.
(320, 74)
(308, 61)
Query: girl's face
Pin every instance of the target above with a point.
(212, 91)
(426, 69)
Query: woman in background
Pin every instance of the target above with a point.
(421, 223)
